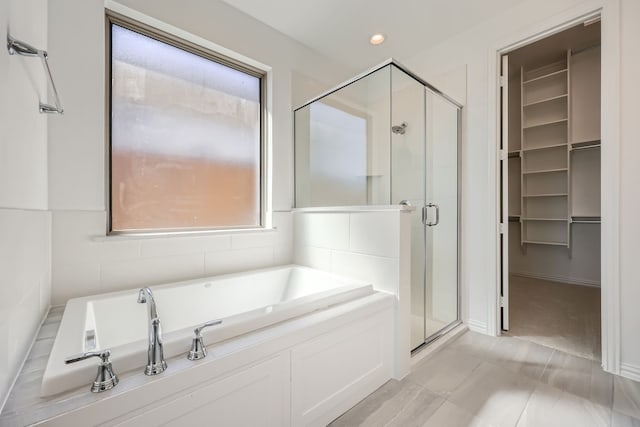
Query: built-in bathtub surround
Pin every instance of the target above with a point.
(274, 371)
(243, 301)
(371, 243)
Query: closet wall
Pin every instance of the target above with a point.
(554, 158)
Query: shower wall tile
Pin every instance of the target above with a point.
(326, 230)
(382, 272)
(362, 245)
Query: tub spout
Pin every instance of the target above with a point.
(155, 356)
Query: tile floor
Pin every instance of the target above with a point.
(558, 315)
(478, 380)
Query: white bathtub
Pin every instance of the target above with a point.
(244, 301)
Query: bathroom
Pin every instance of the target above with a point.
(53, 190)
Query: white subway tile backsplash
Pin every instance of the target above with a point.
(311, 256)
(323, 230)
(238, 260)
(72, 278)
(132, 273)
(375, 233)
(283, 223)
(24, 285)
(383, 273)
(282, 255)
(259, 239)
(175, 245)
(73, 233)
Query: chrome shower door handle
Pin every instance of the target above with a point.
(425, 214)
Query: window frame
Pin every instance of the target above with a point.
(114, 18)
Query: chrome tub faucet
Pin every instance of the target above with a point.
(155, 356)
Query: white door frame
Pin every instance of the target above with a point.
(609, 11)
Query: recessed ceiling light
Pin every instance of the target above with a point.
(376, 39)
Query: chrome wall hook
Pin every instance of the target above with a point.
(17, 47)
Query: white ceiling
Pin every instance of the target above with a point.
(340, 29)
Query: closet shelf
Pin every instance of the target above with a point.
(515, 153)
(544, 219)
(586, 220)
(541, 242)
(546, 195)
(544, 147)
(585, 145)
(542, 101)
(545, 76)
(552, 122)
(545, 171)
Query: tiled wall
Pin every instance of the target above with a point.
(85, 262)
(24, 221)
(25, 287)
(370, 245)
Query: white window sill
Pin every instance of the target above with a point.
(177, 234)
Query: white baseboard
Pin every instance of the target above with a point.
(630, 371)
(570, 280)
(477, 326)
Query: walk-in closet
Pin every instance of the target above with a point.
(551, 126)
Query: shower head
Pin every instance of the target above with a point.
(399, 129)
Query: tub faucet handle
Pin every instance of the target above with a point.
(198, 349)
(106, 379)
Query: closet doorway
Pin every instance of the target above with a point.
(550, 204)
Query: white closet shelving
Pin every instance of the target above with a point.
(544, 154)
(557, 161)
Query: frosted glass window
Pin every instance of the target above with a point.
(185, 139)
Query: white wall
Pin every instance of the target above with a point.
(579, 265)
(473, 48)
(84, 261)
(629, 188)
(24, 221)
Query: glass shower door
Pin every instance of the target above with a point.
(408, 180)
(440, 214)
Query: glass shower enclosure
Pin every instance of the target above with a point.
(388, 137)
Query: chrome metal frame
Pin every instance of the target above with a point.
(390, 61)
(17, 47)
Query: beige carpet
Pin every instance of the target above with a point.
(558, 315)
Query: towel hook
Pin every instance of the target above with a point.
(17, 47)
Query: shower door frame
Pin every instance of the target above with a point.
(433, 337)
